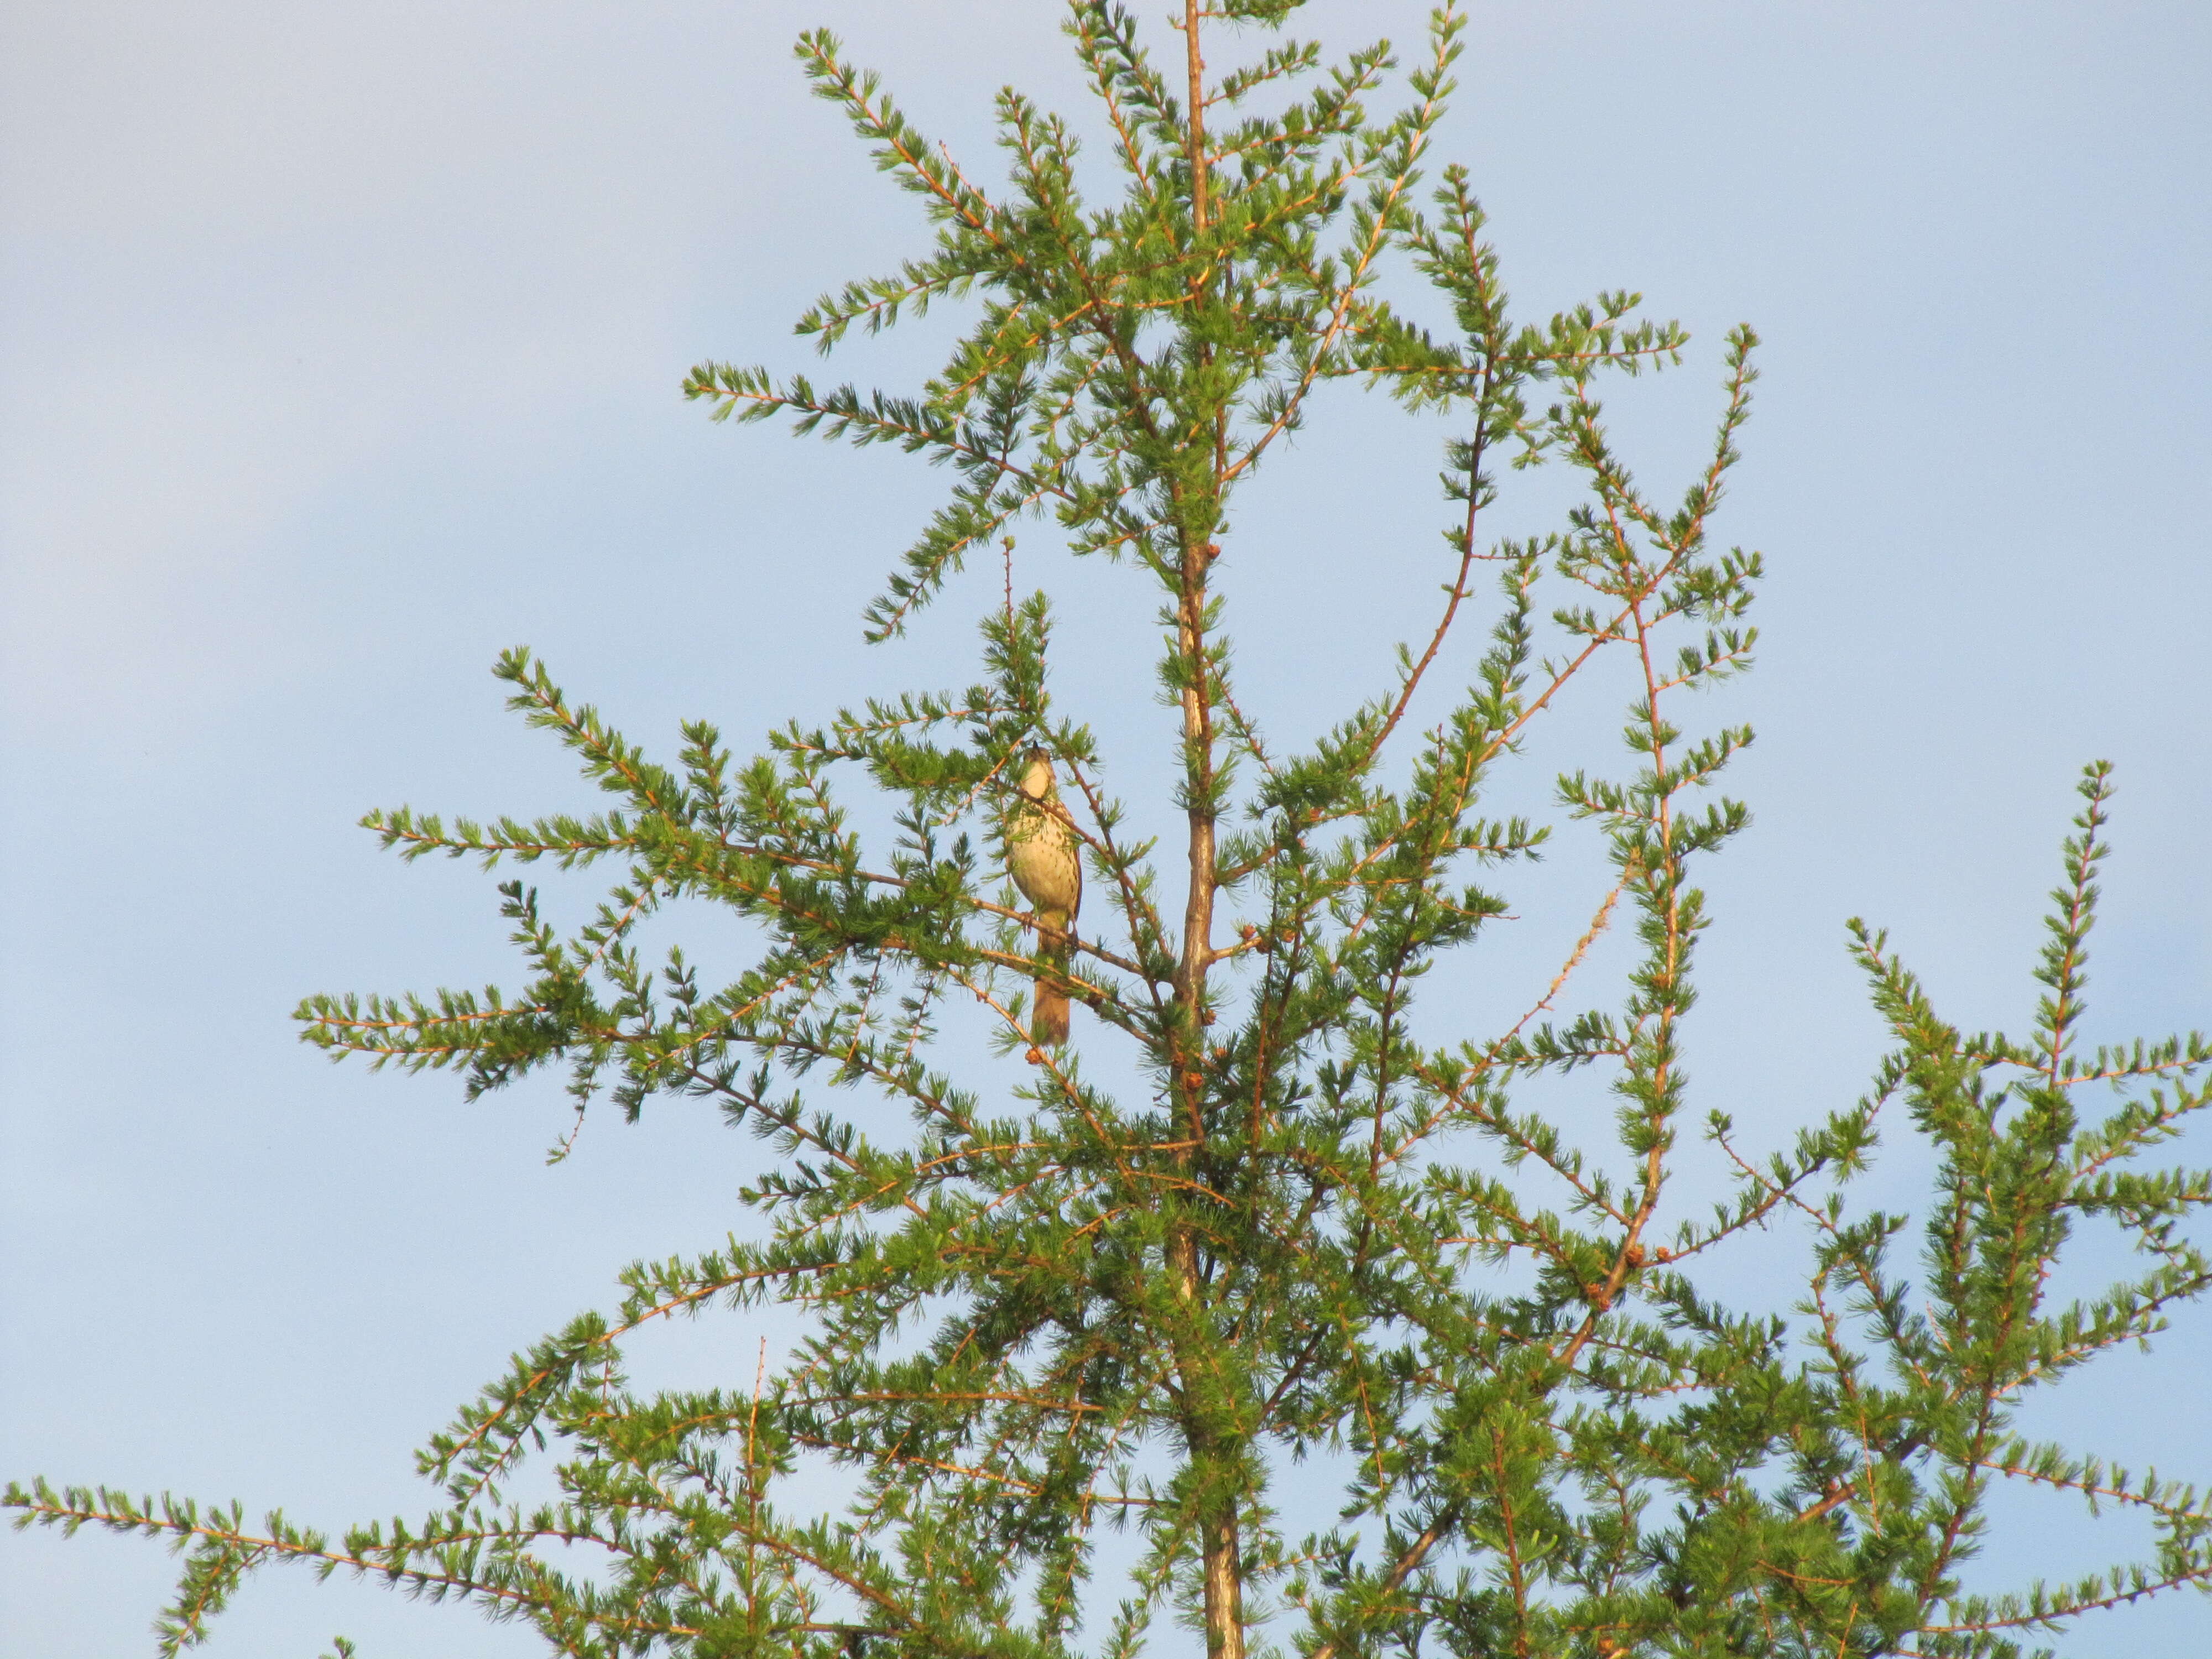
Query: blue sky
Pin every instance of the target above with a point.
(341, 349)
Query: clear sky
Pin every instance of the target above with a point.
(339, 349)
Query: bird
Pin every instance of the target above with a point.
(1046, 863)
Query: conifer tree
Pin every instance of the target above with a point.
(1250, 1317)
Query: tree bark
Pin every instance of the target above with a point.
(1215, 1460)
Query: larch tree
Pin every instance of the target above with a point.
(1227, 1299)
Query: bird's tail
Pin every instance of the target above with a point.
(1049, 1025)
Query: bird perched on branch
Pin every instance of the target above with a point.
(1046, 862)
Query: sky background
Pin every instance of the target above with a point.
(340, 348)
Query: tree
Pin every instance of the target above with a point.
(1250, 1218)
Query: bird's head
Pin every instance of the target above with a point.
(1035, 782)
